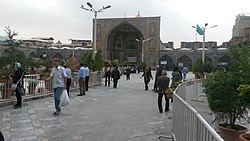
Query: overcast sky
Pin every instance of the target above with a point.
(64, 19)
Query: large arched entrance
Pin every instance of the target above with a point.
(122, 44)
(223, 61)
(166, 62)
(185, 60)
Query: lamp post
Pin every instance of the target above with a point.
(203, 43)
(73, 50)
(95, 14)
(142, 50)
(195, 33)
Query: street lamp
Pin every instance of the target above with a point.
(142, 50)
(73, 50)
(195, 33)
(95, 14)
(203, 43)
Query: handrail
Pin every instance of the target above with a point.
(188, 124)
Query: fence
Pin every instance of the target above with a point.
(37, 87)
(188, 124)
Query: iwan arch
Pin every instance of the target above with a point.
(117, 39)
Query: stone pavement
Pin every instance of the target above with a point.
(128, 113)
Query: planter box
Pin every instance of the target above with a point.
(230, 134)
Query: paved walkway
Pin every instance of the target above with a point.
(128, 113)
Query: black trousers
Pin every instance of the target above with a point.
(86, 83)
(68, 83)
(155, 85)
(115, 83)
(107, 81)
(18, 98)
(160, 96)
(146, 85)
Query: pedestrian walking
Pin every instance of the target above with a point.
(157, 74)
(59, 78)
(147, 76)
(184, 71)
(115, 76)
(69, 77)
(81, 79)
(128, 72)
(176, 77)
(163, 84)
(107, 76)
(87, 77)
(18, 80)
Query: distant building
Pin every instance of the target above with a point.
(242, 21)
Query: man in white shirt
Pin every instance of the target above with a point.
(59, 78)
(69, 77)
(87, 77)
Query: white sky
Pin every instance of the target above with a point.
(64, 19)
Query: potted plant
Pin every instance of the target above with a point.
(245, 137)
(200, 68)
(228, 93)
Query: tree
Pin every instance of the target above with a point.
(73, 64)
(199, 68)
(231, 87)
(11, 54)
(87, 59)
(98, 63)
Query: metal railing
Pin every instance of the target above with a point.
(188, 124)
(36, 87)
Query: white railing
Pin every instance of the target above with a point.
(188, 124)
(36, 87)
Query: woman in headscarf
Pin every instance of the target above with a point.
(18, 79)
(147, 76)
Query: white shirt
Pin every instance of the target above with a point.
(58, 75)
(68, 72)
(87, 70)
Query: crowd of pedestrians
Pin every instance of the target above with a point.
(62, 79)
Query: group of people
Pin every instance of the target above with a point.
(61, 77)
(83, 79)
(162, 81)
(115, 74)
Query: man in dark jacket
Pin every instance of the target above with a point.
(107, 76)
(18, 79)
(163, 84)
(157, 74)
(115, 76)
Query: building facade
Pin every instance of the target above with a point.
(129, 39)
(132, 40)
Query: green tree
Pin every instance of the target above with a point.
(11, 54)
(231, 87)
(200, 67)
(98, 63)
(241, 61)
(87, 59)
